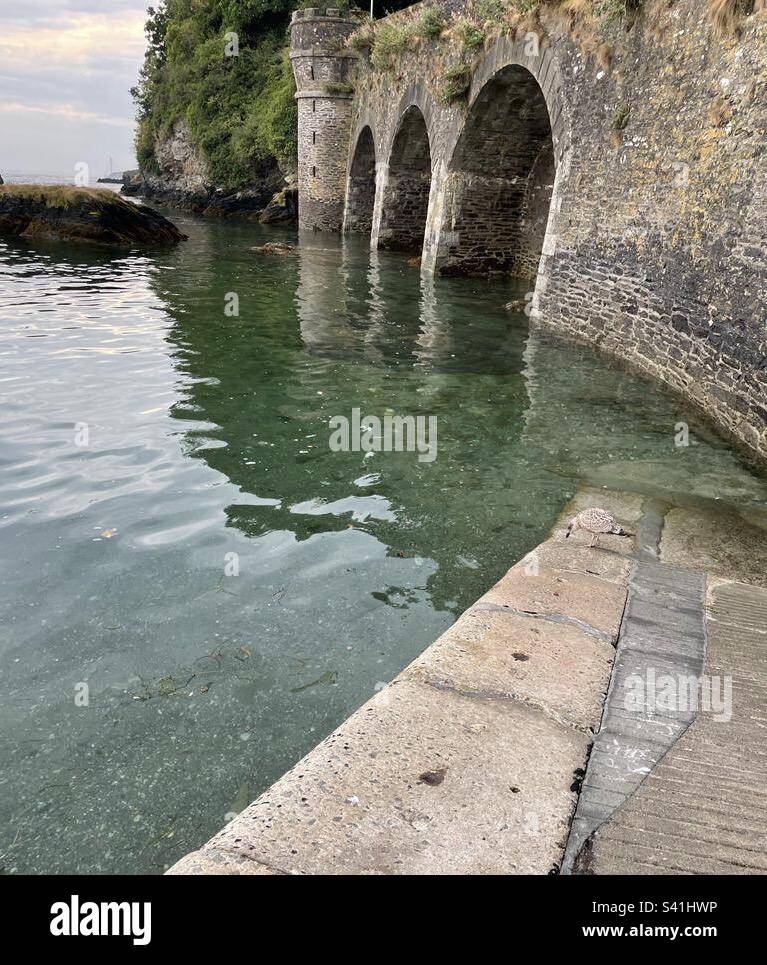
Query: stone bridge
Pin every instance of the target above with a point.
(620, 163)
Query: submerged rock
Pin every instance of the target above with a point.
(274, 248)
(63, 213)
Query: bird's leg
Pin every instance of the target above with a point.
(594, 539)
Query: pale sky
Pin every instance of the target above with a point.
(66, 68)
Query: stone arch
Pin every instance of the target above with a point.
(500, 178)
(361, 184)
(416, 94)
(405, 198)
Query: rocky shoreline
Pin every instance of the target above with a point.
(180, 178)
(267, 203)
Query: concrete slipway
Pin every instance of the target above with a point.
(496, 752)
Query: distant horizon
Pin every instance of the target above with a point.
(11, 174)
(66, 69)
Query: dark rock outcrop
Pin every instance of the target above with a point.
(59, 212)
(131, 182)
(282, 209)
(263, 201)
(179, 177)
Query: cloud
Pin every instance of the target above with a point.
(76, 41)
(63, 112)
(67, 66)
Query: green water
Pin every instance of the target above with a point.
(208, 436)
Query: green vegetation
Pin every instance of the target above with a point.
(339, 87)
(456, 83)
(610, 10)
(470, 34)
(363, 38)
(621, 117)
(389, 41)
(239, 110)
(431, 24)
(490, 11)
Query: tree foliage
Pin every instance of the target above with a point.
(239, 110)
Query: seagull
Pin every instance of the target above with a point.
(598, 522)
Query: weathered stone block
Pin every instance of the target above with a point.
(555, 667)
(419, 781)
(591, 601)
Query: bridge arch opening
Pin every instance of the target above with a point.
(500, 181)
(361, 190)
(406, 195)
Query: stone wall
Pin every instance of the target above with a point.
(659, 255)
(622, 162)
(406, 199)
(360, 199)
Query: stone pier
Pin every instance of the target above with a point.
(510, 747)
(469, 762)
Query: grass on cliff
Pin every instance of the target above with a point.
(63, 195)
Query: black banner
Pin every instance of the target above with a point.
(142, 915)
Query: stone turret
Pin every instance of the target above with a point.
(324, 72)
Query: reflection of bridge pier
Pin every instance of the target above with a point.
(434, 341)
(339, 301)
(349, 302)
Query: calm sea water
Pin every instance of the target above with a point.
(208, 436)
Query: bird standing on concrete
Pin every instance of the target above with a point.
(598, 522)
